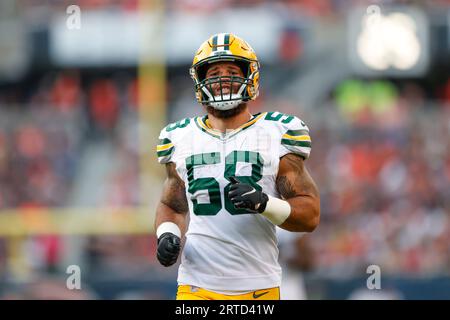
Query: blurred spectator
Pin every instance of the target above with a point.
(104, 104)
(446, 93)
(66, 92)
(291, 46)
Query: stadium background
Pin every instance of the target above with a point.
(81, 107)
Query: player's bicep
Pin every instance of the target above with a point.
(173, 195)
(293, 179)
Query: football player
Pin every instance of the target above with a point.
(238, 175)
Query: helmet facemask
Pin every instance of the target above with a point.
(226, 99)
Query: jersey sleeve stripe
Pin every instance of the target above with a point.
(301, 132)
(306, 144)
(297, 138)
(163, 147)
(165, 153)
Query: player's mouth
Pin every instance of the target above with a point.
(225, 90)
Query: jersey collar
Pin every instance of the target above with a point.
(203, 124)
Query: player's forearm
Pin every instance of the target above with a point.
(164, 213)
(297, 187)
(305, 214)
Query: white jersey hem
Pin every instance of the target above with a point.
(233, 283)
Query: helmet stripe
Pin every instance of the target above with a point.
(214, 43)
(227, 42)
(220, 41)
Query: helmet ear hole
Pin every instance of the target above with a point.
(201, 72)
(244, 66)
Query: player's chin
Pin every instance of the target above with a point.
(224, 114)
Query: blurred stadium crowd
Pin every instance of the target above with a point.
(380, 156)
(45, 124)
(385, 183)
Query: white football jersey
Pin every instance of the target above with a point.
(227, 248)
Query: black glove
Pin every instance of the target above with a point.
(244, 196)
(168, 249)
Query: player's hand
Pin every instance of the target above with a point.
(244, 196)
(168, 249)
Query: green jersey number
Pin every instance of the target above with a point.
(271, 117)
(211, 185)
(180, 124)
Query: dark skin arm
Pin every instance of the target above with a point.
(297, 187)
(173, 206)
